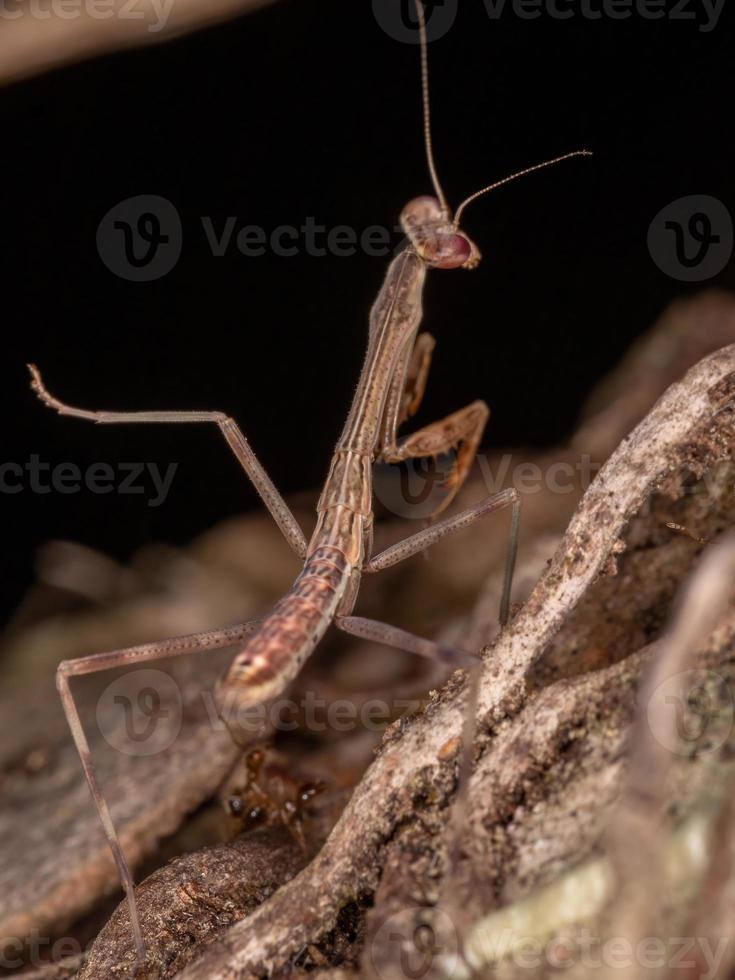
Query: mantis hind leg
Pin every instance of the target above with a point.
(210, 640)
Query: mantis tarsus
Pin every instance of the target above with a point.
(391, 386)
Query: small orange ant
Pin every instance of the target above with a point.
(271, 796)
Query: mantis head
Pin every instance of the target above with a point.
(436, 239)
(427, 221)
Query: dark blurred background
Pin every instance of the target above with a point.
(310, 110)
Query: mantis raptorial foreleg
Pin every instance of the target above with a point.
(237, 442)
(194, 643)
(417, 375)
(462, 430)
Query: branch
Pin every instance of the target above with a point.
(29, 45)
(688, 431)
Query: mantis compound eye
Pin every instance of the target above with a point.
(447, 251)
(435, 238)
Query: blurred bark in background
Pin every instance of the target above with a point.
(39, 35)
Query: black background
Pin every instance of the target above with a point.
(310, 108)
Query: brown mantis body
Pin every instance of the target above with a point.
(391, 385)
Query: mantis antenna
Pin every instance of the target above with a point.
(428, 142)
(520, 173)
(427, 109)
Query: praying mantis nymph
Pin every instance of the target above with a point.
(391, 385)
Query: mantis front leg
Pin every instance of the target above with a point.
(462, 430)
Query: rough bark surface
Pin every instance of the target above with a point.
(405, 793)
